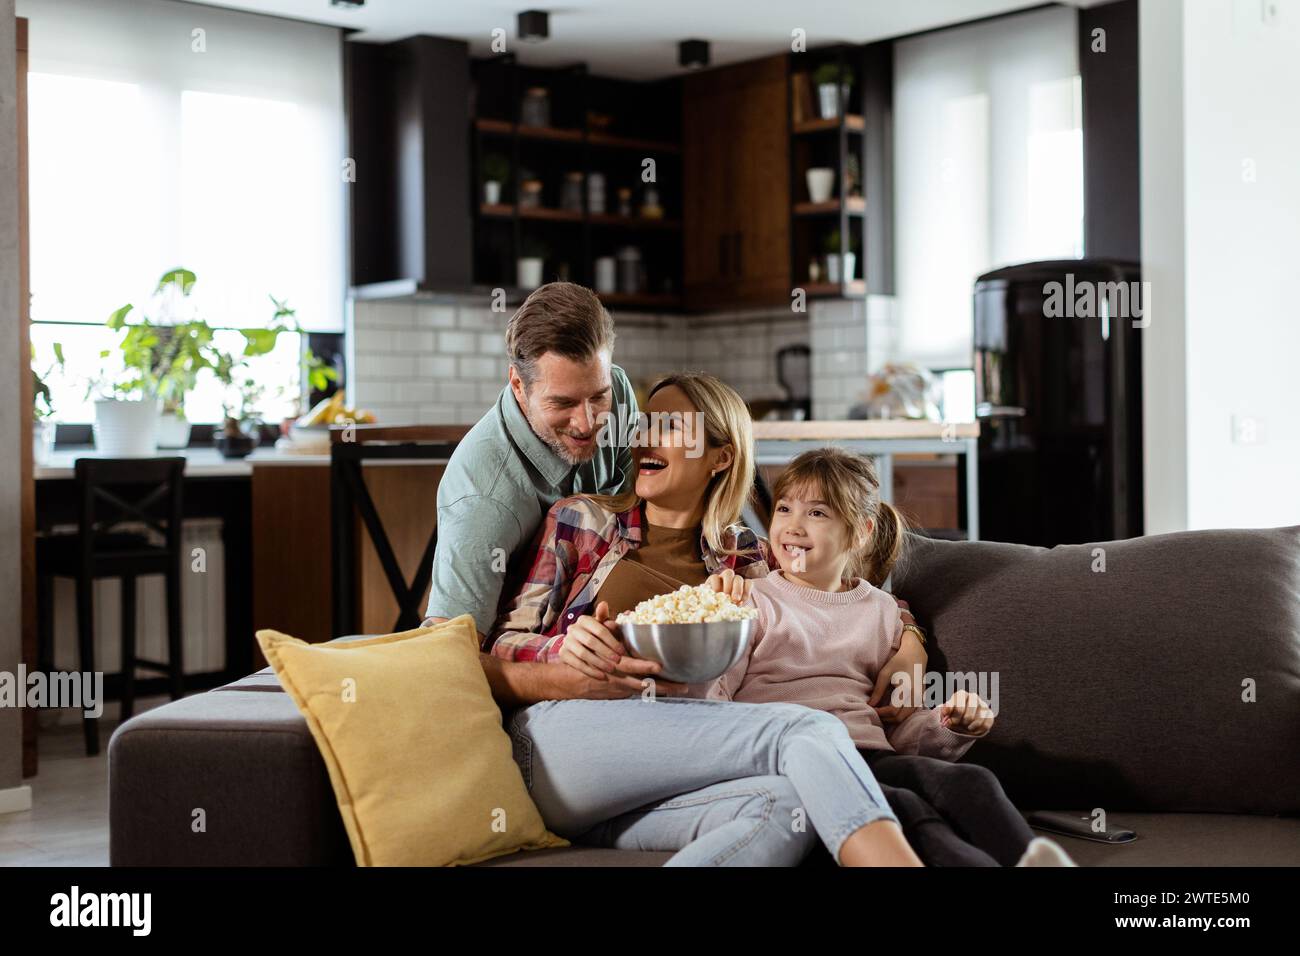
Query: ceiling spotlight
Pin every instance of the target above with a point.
(348, 4)
(693, 54)
(534, 26)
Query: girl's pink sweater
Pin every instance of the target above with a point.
(823, 649)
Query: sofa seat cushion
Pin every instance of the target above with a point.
(1192, 839)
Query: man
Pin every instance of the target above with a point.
(538, 444)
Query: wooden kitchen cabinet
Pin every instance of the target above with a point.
(736, 186)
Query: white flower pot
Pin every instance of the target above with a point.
(821, 179)
(173, 431)
(529, 272)
(42, 441)
(491, 192)
(126, 428)
(829, 97)
(833, 273)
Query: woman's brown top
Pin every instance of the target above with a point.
(666, 559)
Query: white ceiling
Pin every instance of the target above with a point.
(637, 39)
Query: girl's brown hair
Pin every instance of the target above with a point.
(726, 423)
(847, 482)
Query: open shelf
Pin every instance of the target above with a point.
(632, 222)
(853, 123)
(627, 142)
(854, 206)
(853, 288)
(641, 301)
(498, 127)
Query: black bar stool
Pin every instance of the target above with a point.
(111, 492)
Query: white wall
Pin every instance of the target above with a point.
(1220, 131)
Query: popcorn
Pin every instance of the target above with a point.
(687, 605)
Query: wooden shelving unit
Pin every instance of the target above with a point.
(853, 145)
(595, 125)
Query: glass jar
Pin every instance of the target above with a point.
(536, 107)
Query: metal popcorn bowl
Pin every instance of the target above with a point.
(689, 653)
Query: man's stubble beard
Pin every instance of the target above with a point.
(552, 440)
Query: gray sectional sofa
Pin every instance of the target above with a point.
(1157, 679)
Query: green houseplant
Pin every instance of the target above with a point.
(848, 260)
(496, 170)
(833, 81)
(163, 361)
(43, 407)
(532, 261)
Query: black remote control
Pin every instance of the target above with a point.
(1076, 825)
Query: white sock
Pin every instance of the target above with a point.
(1044, 852)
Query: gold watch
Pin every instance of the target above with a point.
(920, 634)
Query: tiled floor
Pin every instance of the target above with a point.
(68, 822)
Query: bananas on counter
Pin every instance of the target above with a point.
(333, 411)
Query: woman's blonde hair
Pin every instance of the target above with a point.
(847, 482)
(726, 422)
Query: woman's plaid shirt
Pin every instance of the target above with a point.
(579, 545)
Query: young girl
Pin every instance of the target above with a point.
(824, 631)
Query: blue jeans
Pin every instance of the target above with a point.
(723, 783)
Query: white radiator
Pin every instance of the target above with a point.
(203, 613)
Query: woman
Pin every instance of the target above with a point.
(722, 783)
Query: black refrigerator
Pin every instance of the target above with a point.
(1058, 392)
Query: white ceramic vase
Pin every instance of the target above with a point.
(821, 179)
(529, 272)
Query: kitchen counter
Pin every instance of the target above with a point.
(777, 443)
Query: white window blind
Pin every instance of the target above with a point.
(168, 134)
(988, 167)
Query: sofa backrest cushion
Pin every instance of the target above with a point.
(1158, 673)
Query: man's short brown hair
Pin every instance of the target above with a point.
(560, 317)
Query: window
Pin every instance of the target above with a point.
(171, 134)
(988, 167)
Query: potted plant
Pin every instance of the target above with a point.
(165, 359)
(43, 408)
(853, 175)
(496, 170)
(833, 81)
(835, 259)
(241, 431)
(532, 258)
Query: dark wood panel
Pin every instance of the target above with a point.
(736, 207)
(291, 551)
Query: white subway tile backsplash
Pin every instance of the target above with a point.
(477, 367)
(445, 362)
(456, 343)
(414, 342)
(415, 393)
(436, 366)
(387, 315)
(456, 392)
(436, 316)
(439, 414)
(377, 365)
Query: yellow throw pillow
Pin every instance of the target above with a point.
(420, 765)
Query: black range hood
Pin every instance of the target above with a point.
(408, 118)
